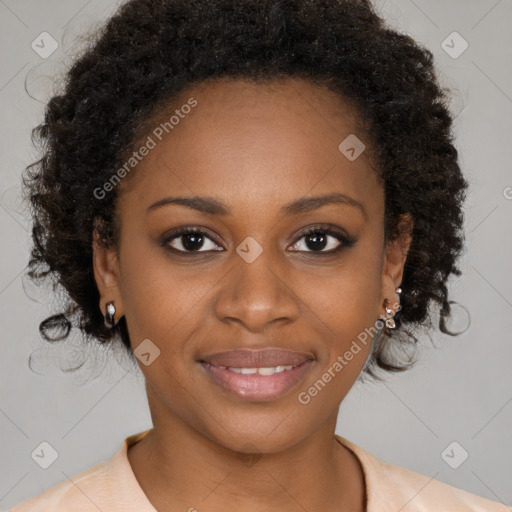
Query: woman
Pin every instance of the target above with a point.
(259, 200)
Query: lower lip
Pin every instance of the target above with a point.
(257, 387)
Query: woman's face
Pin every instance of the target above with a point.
(264, 161)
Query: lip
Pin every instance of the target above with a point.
(257, 358)
(256, 387)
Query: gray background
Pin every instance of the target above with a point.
(459, 391)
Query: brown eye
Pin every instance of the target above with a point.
(191, 240)
(322, 240)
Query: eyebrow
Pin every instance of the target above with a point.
(212, 206)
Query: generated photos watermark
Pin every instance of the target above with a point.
(156, 136)
(305, 397)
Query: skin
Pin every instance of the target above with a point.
(255, 147)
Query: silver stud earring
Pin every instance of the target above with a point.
(109, 315)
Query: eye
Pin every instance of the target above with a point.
(324, 240)
(190, 240)
(317, 239)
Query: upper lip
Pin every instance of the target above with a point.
(260, 358)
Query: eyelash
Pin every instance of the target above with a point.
(345, 241)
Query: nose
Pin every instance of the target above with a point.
(257, 294)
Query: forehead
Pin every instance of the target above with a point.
(269, 141)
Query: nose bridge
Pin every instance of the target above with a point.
(255, 292)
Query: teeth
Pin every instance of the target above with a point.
(247, 371)
(270, 370)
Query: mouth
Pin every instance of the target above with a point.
(257, 375)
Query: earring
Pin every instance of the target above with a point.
(109, 315)
(389, 321)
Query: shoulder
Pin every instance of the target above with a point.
(416, 492)
(394, 488)
(109, 486)
(77, 493)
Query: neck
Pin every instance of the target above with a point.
(180, 468)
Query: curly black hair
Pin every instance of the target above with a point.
(151, 50)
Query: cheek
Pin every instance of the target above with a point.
(161, 300)
(348, 305)
(347, 296)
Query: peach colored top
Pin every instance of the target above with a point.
(112, 487)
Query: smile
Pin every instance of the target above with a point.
(257, 384)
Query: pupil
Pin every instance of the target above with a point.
(316, 238)
(196, 239)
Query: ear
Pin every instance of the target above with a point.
(106, 275)
(394, 261)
